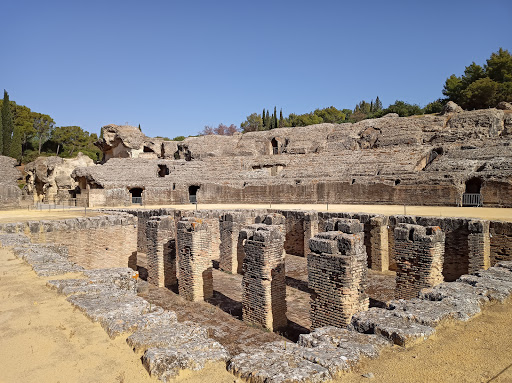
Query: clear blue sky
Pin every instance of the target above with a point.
(174, 67)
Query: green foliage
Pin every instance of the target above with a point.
(331, 115)
(16, 144)
(68, 139)
(482, 87)
(7, 125)
(253, 123)
(178, 138)
(434, 106)
(403, 109)
(43, 126)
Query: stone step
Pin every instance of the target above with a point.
(383, 322)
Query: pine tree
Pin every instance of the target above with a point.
(16, 150)
(7, 124)
(378, 105)
(263, 118)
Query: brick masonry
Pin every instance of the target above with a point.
(194, 251)
(419, 259)
(479, 245)
(337, 274)
(161, 251)
(264, 281)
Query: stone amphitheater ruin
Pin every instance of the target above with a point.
(330, 288)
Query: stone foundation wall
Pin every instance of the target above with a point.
(194, 252)
(419, 258)
(161, 251)
(337, 275)
(501, 241)
(92, 242)
(264, 281)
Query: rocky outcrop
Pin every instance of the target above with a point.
(10, 192)
(504, 105)
(49, 178)
(451, 107)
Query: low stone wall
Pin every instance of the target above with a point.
(92, 242)
(501, 241)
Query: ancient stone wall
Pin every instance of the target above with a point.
(194, 252)
(419, 258)
(264, 281)
(231, 248)
(92, 242)
(479, 245)
(337, 275)
(501, 241)
(10, 193)
(161, 251)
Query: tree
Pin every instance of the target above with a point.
(499, 66)
(253, 123)
(16, 150)
(263, 118)
(267, 120)
(43, 126)
(481, 94)
(7, 125)
(207, 130)
(69, 139)
(330, 115)
(377, 107)
(1, 134)
(281, 119)
(140, 128)
(434, 107)
(403, 109)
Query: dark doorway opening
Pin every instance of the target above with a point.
(163, 170)
(136, 195)
(148, 150)
(192, 193)
(473, 185)
(275, 146)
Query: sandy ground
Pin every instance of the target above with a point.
(502, 214)
(36, 215)
(43, 339)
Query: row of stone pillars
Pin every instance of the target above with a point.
(337, 263)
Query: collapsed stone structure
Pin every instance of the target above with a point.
(48, 179)
(177, 247)
(10, 193)
(419, 160)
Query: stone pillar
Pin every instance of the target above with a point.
(194, 244)
(419, 258)
(230, 225)
(161, 251)
(479, 245)
(379, 246)
(337, 274)
(310, 226)
(264, 280)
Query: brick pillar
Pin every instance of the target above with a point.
(194, 244)
(161, 251)
(479, 245)
(264, 283)
(419, 258)
(379, 246)
(337, 274)
(310, 226)
(230, 225)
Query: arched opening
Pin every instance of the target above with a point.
(275, 146)
(192, 193)
(397, 182)
(472, 196)
(147, 149)
(136, 195)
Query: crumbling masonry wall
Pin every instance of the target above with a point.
(420, 257)
(501, 241)
(337, 274)
(230, 247)
(92, 242)
(194, 252)
(479, 245)
(161, 251)
(264, 280)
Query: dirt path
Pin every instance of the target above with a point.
(43, 339)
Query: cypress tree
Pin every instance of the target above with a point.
(7, 124)
(16, 150)
(275, 117)
(267, 120)
(263, 118)
(281, 119)
(378, 104)
(140, 128)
